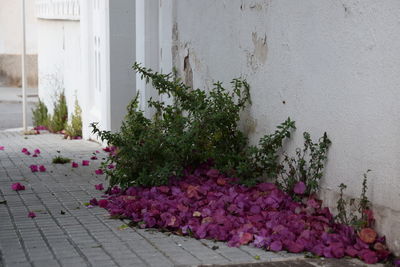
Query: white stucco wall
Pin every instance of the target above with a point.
(59, 61)
(330, 65)
(11, 27)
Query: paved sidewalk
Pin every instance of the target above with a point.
(11, 106)
(67, 233)
(14, 95)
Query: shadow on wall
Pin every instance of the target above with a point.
(10, 70)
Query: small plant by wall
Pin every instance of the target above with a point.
(356, 213)
(40, 115)
(58, 120)
(74, 128)
(306, 167)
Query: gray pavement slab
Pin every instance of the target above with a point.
(67, 233)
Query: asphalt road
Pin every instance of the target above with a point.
(11, 115)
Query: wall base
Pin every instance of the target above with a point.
(387, 220)
(10, 70)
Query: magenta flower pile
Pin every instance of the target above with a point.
(207, 204)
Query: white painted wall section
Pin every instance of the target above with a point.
(59, 61)
(330, 65)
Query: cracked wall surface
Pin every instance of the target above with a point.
(330, 65)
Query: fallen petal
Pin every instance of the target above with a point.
(99, 171)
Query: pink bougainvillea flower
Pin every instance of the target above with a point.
(35, 155)
(85, 162)
(34, 168)
(17, 187)
(368, 256)
(368, 235)
(94, 202)
(300, 188)
(97, 151)
(245, 238)
(103, 203)
(276, 246)
(40, 128)
(107, 149)
(36, 151)
(42, 168)
(74, 164)
(1, 147)
(99, 187)
(24, 150)
(99, 171)
(93, 157)
(31, 214)
(111, 166)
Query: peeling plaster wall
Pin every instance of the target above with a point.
(330, 65)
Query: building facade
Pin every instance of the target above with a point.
(330, 65)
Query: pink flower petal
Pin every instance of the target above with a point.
(42, 168)
(31, 214)
(74, 164)
(24, 150)
(17, 187)
(103, 203)
(111, 166)
(36, 151)
(99, 187)
(276, 246)
(94, 202)
(34, 168)
(93, 158)
(85, 162)
(300, 188)
(99, 171)
(1, 147)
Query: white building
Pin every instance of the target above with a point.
(330, 65)
(11, 43)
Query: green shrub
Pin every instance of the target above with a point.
(40, 115)
(58, 120)
(74, 128)
(197, 127)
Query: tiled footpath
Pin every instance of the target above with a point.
(67, 233)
